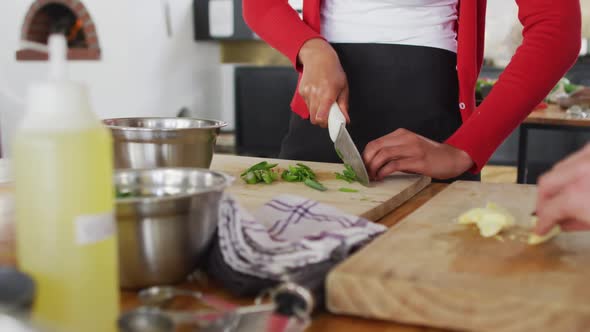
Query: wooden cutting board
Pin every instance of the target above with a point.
(428, 270)
(371, 203)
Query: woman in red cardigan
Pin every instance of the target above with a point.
(403, 73)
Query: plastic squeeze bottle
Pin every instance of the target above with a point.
(65, 228)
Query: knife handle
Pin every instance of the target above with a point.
(335, 121)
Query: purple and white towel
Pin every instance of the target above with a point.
(287, 233)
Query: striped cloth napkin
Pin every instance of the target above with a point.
(286, 234)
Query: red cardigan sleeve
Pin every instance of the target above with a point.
(551, 44)
(279, 25)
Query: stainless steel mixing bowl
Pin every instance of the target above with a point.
(163, 142)
(166, 218)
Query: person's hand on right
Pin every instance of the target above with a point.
(563, 195)
(323, 81)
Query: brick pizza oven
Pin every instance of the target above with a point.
(68, 17)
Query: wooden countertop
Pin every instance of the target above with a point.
(554, 115)
(321, 322)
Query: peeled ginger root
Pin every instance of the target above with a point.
(490, 220)
(535, 239)
(493, 219)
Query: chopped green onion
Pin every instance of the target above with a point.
(290, 177)
(266, 177)
(348, 190)
(314, 184)
(260, 165)
(302, 173)
(263, 165)
(304, 166)
(250, 178)
(261, 172)
(258, 174)
(347, 174)
(343, 178)
(339, 154)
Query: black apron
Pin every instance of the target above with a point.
(391, 87)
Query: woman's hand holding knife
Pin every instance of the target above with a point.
(323, 81)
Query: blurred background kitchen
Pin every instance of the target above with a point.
(198, 58)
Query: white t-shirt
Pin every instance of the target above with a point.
(408, 22)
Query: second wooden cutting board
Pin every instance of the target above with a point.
(371, 203)
(428, 270)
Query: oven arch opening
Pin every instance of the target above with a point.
(68, 17)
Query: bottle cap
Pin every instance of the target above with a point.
(58, 53)
(58, 95)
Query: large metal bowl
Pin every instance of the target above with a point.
(142, 143)
(166, 219)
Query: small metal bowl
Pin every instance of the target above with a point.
(145, 320)
(141, 143)
(166, 219)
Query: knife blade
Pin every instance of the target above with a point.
(345, 146)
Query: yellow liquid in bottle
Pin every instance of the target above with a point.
(64, 188)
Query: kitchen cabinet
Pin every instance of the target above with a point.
(223, 20)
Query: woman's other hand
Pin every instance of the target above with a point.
(563, 195)
(323, 81)
(405, 151)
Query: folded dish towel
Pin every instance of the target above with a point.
(287, 234)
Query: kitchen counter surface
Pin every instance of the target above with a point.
(555, 116)
(321, 322)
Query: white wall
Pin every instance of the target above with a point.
(143, 72)
(169, 73)
(501, 20)
(504, 31)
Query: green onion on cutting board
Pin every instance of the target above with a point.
(302, 173)
(260, 173)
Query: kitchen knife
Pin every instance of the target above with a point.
(344, 145)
